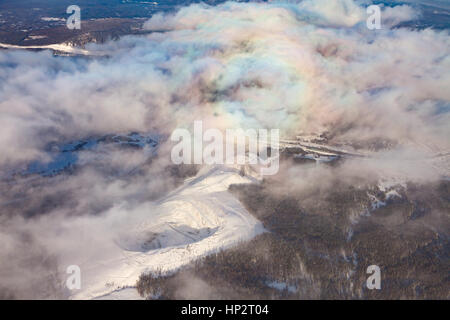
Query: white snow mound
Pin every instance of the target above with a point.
(198, 218)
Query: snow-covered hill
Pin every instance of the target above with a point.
(199, 217)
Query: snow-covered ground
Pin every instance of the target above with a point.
(60, 47)
(198, 218)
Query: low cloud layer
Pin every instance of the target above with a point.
(312, 66)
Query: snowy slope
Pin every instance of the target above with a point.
(61, 47)
(199, 217)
